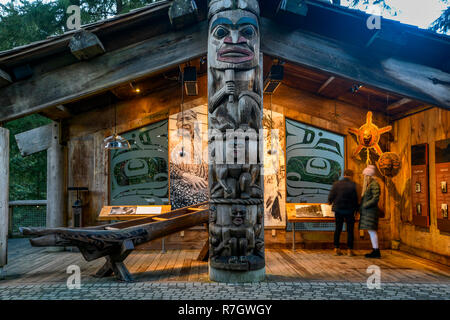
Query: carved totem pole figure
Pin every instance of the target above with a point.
(235, 117)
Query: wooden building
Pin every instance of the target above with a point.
(124, 75)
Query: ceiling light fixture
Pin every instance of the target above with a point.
(116, 141)
(274, 79)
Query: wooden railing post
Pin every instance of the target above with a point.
(10, 220)
(4, 197)
(55, 180)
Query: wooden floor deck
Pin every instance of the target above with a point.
(39, 265)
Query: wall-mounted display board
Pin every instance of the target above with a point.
(419, 185)
(131, 212)
(139, 176)
(274, 170)
(442, 153)
(313, 210)
(188, 146)
(314, 161)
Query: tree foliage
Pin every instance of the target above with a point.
(28, 175)
(441, 24)
(23, 22)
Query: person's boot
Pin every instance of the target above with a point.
(350, 253)
(374, 254)
(337, 252)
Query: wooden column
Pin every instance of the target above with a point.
(55, 180)
(4, 197)
(236, 228)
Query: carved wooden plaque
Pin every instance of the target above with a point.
(419, 185)
(442, 152)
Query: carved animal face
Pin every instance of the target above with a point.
(234, 40)
(238, 215)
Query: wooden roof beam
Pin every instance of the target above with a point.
(415, 81)
(183, 13)
(34, 140)
(85, 45)
(5, 79)
(326, 84)
(80, 80)
(396, 105)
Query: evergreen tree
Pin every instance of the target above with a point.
(23, 22)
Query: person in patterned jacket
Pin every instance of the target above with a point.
(188, 171)
(369, 209)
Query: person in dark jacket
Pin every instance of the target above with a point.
(344, 199)
(369, 209)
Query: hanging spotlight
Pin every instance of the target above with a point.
(116, 142)
(274, 79)
(190, 80)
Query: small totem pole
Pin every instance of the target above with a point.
(236, 227)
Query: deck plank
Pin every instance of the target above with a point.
(38, 265)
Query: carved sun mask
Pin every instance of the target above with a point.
(368, 135)
(234, 40)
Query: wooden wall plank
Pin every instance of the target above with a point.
(424, 127)
(4, 197)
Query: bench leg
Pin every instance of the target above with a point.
(114, 264)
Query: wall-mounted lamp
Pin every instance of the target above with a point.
(190, 80)
(274, 79)
(356, 87)
(135, 88)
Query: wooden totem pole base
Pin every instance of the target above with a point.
(228, 276)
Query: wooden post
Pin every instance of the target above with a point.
(236, 228)
(55, 180)
(4, 197)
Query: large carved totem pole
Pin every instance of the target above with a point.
(236, 227)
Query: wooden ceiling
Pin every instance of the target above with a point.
(295, 76)
(349, 91)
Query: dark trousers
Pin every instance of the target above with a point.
(349, 219)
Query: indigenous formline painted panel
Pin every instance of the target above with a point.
(188, 132)
(274, 169)
(139, 176)
(315, 159)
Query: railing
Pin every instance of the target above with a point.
(26, 213)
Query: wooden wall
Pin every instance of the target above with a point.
(88, 161)
(335, 116)
(424, 127)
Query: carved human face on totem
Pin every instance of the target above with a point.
(238, 215)
(234, 40)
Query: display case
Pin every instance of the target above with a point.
(442, 156)
(419, 185)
